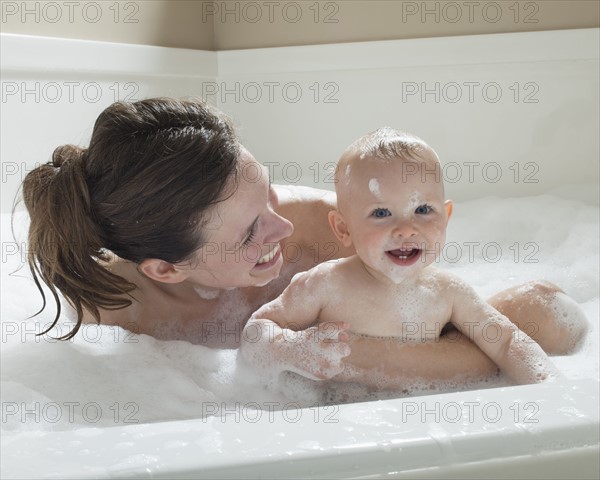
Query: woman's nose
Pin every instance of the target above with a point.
(279, 228)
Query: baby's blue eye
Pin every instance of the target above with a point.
(381, 213)
(423, 209)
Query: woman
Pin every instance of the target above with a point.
(167, 226)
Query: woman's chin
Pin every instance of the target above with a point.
(262, 281)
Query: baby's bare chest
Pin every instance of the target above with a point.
(417, 313)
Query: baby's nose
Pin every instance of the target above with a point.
(404, 229)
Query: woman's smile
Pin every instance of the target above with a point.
(269, 259)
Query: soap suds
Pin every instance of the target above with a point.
(374, 188)
(136, 378)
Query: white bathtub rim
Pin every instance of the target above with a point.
(22, 53)
(498, 48)
(30, 53)
(569, 419)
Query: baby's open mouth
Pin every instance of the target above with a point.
(404, 257)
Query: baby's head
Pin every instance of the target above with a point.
(391, 203)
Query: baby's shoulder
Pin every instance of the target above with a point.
(325, 272)
(441, 279)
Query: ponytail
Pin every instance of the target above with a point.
(65, 242)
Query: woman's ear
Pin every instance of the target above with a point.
(162, 271)
(449, 206)
(339, 227)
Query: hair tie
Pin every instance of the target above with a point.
(66, 154)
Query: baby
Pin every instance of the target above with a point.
(392, 209)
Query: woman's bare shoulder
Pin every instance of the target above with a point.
(294, 202)
(299, 192)
(308, 208)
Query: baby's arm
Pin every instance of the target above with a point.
(517, 355)
(283, 333)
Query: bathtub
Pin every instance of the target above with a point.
(534, 431)
(465, 435)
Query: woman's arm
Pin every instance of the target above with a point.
(517, 355)
(390, 364)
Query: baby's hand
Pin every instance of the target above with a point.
(316, 352)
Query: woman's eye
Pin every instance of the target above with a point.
(381, 213)
(250, 237)
(248, 241)
(423, 209)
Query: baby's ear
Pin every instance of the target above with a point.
(339, 227)
(449, 206)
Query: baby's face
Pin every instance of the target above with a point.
(395, 213)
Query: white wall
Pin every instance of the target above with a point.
(315, 100)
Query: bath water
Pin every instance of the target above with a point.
(107, 376)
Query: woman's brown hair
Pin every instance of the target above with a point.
(153, 167)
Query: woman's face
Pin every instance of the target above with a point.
(243, 233)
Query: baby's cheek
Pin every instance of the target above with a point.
(373, 239)
(436, 231)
